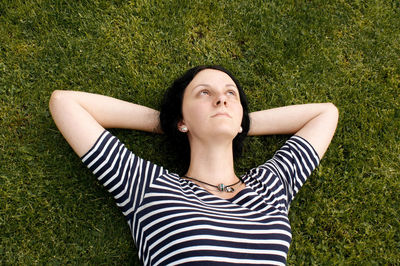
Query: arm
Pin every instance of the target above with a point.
(314, 122)
(81, 117)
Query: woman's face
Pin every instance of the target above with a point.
(211, 106)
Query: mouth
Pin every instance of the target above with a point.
(221, 114)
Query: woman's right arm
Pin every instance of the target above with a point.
(81, 117)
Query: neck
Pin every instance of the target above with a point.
(212, 163)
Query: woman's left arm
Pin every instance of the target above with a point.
(314, 122)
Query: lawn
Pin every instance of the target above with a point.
(52, 210)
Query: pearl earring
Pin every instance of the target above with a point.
(240, 130)
(184, 129)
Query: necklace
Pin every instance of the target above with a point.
(221, 187)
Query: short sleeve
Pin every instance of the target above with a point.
(293, 164)
(125, 175)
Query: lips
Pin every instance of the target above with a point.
(221, 114)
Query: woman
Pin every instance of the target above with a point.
(209, 215)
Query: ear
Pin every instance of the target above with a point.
(182, 127)
(181, 123)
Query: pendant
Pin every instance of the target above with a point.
(221, 187)
(229, 189)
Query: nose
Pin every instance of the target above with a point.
(221, 100)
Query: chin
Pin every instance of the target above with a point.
(224, 133)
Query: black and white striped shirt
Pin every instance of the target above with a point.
(173, 221)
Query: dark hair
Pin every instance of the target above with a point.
(171, 114)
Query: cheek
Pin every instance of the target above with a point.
(239, 113)
(192, 113)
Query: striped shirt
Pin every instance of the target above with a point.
(173, 221)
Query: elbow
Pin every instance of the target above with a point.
(333, 112)
(56, 94)
(333, 109)
(56, 99)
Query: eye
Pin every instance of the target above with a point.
(204, 92)
(231, 92)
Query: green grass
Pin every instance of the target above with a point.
(52, 211)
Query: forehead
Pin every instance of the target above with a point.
(211, 77)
